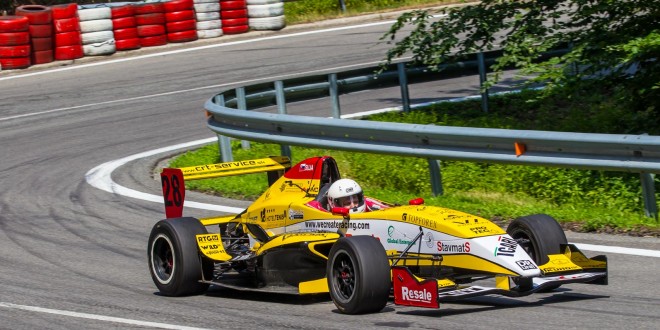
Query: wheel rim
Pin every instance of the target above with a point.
(343, 277)
(163, 261)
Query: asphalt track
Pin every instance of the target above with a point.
(73, 256)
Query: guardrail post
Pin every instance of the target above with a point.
(224, 142)
(334, 95)
(224, 145)
(436, 177)
(482, 80)
(403, 82)
(648, 192)
(242, 105)
(280, 98)
(342, 4)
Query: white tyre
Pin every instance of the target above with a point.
(267, 23)
(269, 10)
(209, 25)
(96, 37)
(102, 48)
(96, 25)
(207, 7)
(201, 16)
(90, 14)
(206, 34)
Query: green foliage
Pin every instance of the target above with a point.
(606, 38)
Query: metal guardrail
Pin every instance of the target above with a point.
(613, 152)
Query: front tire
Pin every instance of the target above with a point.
(358, 275)
(539, 235)
(174, 262)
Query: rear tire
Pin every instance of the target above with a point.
(358, 275)
(174, 261)
(541, 235)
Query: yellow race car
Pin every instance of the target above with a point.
(294, 239)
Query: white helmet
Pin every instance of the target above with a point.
(346, 193)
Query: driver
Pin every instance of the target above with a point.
(346, 193)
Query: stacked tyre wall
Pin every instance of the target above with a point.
(38, 34)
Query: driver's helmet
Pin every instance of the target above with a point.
(346, 193)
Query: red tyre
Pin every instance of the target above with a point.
(150, 30)
(15, 63)
(124, 22)
(150, 7)
(64, 39)
(15, 51)
(176, 16)
(233, 5)
(41, 30)
(64, 11)
(234, 22)
(42, 56)
(181, 26)
(178, 5)
(41, 44)
(14, 23)
(128, 33)
(36, 14)
(183, 36)
(154, 41)
(150, 19)
(66, 25)
(235, 29)
(69, 52)
(122, 11)
(238, 13)
(14, 38)
(127, 44)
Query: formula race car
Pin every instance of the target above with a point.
(290, 241)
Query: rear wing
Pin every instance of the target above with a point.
(173, 179)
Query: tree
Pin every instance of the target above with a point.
(616, 42)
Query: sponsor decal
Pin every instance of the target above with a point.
(296, 214)
(390, 231)
(507, 247)
(306, 167)
(526, 264)
(266, 215)
(225, 165)
(559, 269)
(480, 230)
(455, 248)
(418, 220)
(336, 225)
(408, 291)
(208, 238)
(429, 239)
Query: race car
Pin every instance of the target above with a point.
(290, 241)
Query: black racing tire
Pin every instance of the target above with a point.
(541, 235)
(358, 274)
(174, 261)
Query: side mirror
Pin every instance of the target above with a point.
(340, 211)
(416, 201)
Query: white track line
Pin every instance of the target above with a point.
(97, 317)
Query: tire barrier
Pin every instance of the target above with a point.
(66, 29)
(180, 25)
(124, 27)
(70, 31)
(150, 19)
(233, 14)
(41, 32)
(266, 14)
(16, 54)
(96, 30)
(207, 14)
